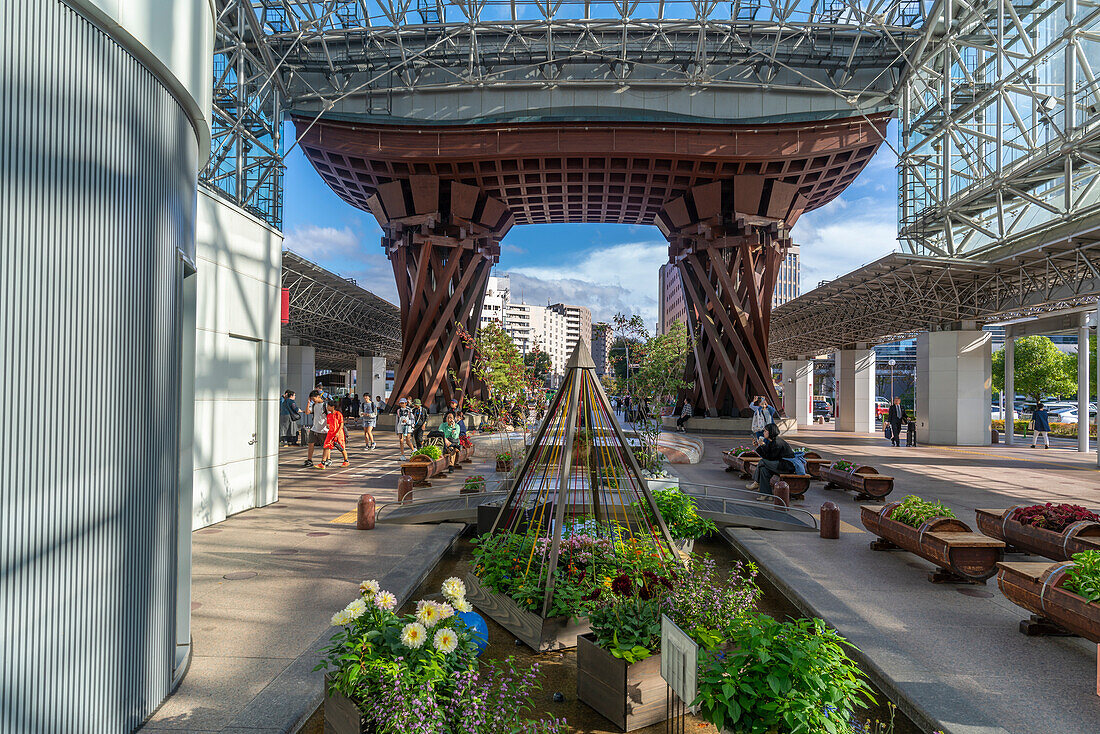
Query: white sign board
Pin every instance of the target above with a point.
(679, 658)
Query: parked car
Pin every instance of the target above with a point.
(823, 410)
(882, 407)
(1070, 416)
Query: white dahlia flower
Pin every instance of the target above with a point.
(413, 635)
(446, 640)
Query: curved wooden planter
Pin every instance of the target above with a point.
(630, 695)
(1080, 536)
(814, 462)
(465, 454)
(745, 464)
(865, 481)
(504, 466)
(798, 483)
(421, 469)
(541, 634)
(1039, 588)
(963, 556)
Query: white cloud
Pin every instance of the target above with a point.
(607, 279)
(843, 235)
(349, 254)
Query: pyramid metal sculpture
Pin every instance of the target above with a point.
(598, 475)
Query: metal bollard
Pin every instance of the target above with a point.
(782, 492)
(364, 512)
(404, 487)
(830, 521)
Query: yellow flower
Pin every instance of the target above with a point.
(368, 588)
(341, 618)
(413, 635)
(454, 588)
(607, 582)
(427, 613)
(446, 640)
(462, 605)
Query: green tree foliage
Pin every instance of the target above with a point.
(661, 362)
(497, 363)
(629, 333)
(538, 365)
(1093, 356)
(1040, 369)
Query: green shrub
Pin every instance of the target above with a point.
(781, 677)
(680, 514)
(915, 512)
(433, 452)
(1084, 578)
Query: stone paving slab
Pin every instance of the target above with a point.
(258, 634)
(950, 656)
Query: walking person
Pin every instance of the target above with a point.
(317, 417)
(356, 404)
(335, 436)
(370, 419)
(404, 425)
(896, 417)
(776, 457)
(420, 419)
(685, 415)
(1040, 426)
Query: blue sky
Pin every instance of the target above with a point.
(608, 268)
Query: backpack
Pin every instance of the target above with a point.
(758, 421)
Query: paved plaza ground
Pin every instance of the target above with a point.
(950, 654)
(266, 582)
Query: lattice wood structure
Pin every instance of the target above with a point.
(580, 463)
(442, 238)
(727, 240)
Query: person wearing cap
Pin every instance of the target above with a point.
(420, 419)
(404, 425)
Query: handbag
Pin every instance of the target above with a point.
(889, 431)
(1031, 425)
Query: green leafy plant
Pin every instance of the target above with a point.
(793, 677)
(914, 511)
(742, 450)
(706, 601)
(843, 465)
(1083, 578)
(630, 629)
(433, 452)
(506, 456)
(476, 482)
(680, 513)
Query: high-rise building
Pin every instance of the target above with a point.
(670, 296)
(601, 346)
(578, 321)
(787, 285)
(496, 300)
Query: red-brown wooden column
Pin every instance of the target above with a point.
(727, 239)
(442, 238)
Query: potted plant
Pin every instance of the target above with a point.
(771, 675)
(1062, 597)
(425, 463)
(504, 462)
(681, 517)
(473, 485)
(619, 662)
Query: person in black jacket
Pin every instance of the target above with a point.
(775, 458)
(896, 418)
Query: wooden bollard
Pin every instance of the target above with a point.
(404, 487)
(364, 512)
(782, 492)
(830, 521)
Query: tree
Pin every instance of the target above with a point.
(1093, 356)
(1040, 369)
(629, 333)
(538, 365)
(662, 361)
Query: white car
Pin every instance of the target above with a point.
(1070, 416)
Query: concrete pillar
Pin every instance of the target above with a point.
(1083, 385)
(856, 385)
(349, 382)
(370, 375)
(954, 387)
(1010, 389)
(798, 388)
(1097, 360)
(301, 371)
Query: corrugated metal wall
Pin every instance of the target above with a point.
(97, 192)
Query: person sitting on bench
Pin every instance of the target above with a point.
(776, 457)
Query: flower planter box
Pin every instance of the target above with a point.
(1039, 588)
(342, 716)
(865, 481)
(465, 454)
(504, 466)
(1080, 536)
(538, 633)
(421, 469)
(631, 696)
(663, 483)
(963, 556)
(745, 464)
(798, 483)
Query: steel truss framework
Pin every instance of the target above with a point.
(1000, 124)
(335, 316)
(902, 294)
(246, 157)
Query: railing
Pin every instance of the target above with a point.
(469, 501)
(716, 492)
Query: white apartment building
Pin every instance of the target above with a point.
(554, 329)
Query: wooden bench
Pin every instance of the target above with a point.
(962, 556)
(745, 464)
(1080, 536)
(814, 462)
(865, 481)
(1040, 589)
(465, 454)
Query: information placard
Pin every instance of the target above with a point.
(679, 660)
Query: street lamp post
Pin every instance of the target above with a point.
(892, 363)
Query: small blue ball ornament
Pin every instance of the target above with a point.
(478, 627)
